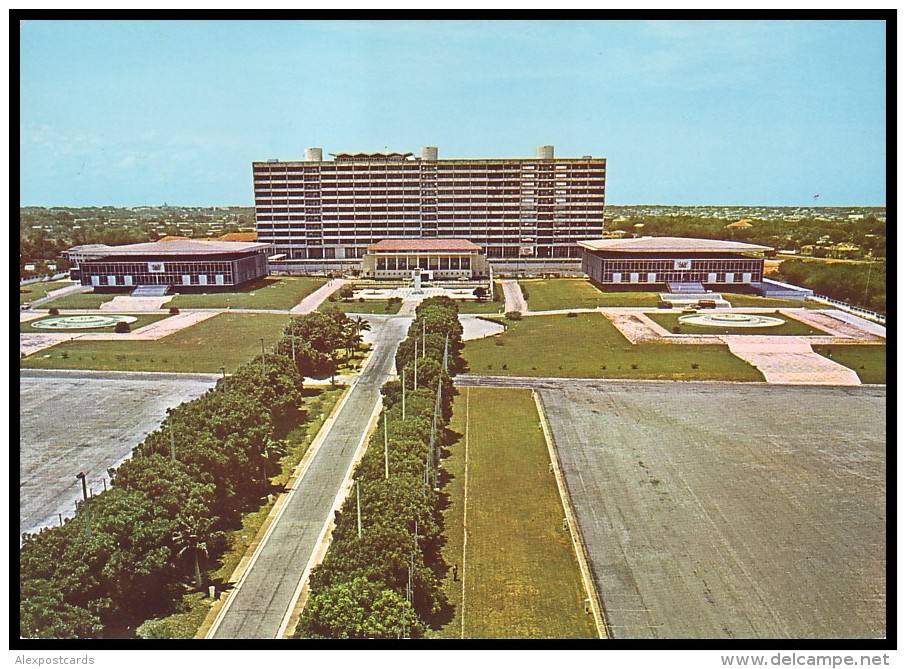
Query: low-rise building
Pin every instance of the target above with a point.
(180, 262)
(436, 258)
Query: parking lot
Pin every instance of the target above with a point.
(714, 510)
(81, 421)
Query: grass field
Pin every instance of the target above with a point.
(226, 339)
(519, 578)
(671, 322)
(738, 300)
(143, 320)
(79, 301)
(364, 307)
(283, 293)
(869, 362)
(589, 346)
(35, 291)
(473, 307)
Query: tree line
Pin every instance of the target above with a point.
(128, 552)
(863, 285)
(382, 574)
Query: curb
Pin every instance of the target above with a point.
(221, 606)
(300, 597)
(578, 545)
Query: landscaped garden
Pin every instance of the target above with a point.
(387, 307)
(519, 576)
(868, 361)
(589, 346)
(673, 322)
(79, 301)
(141, 320)
(226, 340)
(35, 291)
(272, 292)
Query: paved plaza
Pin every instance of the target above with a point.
(83, 421)
(714, 510)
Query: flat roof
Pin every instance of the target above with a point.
(182, 247)
(425, 245)
(670, 245)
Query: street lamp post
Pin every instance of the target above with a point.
(81, 476)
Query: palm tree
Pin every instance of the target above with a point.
(194, 532)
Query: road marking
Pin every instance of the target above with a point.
(465, 527)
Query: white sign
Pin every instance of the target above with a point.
(682, 264)
(155, 267)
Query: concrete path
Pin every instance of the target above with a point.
(789, 361)
(32, 342)
(513, 296)
(863, 324)
(474, 327)
(265, 595)
(59, 292)
(314, 300)
(841, 324)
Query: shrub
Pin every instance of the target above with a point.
(174, 311)
(53, 311)
(634, 365)
(498, 341)
(676, 329)
(513, 315)
(572, 314)
(694, 365)
(122, 327)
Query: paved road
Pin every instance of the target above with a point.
(257, 607)
(72, 421)
(729, 510)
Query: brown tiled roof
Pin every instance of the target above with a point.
(425, 245)
(669, 245)
(239, 237)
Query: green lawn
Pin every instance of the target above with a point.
(550, 294)
(520, 573)
(225, 339)
(868, 361)
(283, 293)
(35, 291)
(474, 307)
(738, 300)
(143, 320)
(671, 322)
(589, 346)
(79, 301)
(364, 307)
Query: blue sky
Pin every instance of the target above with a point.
(751, 112)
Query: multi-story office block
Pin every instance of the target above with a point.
(329, 212)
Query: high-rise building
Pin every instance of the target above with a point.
(329, 212)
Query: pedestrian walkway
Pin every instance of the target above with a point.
(789, 361)
(841, 324)
(512, 294)
(314, 300)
